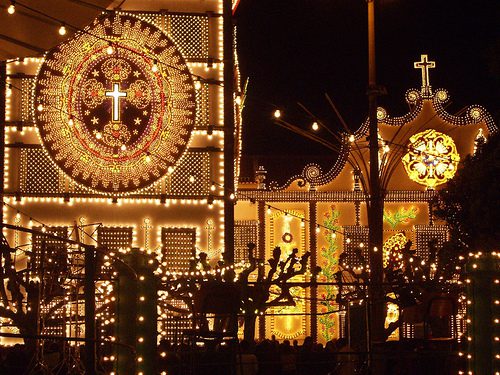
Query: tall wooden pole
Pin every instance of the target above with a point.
(90, 328)
(376, 202)
(229, 190)
(3, 86)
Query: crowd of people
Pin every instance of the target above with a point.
(267, 357)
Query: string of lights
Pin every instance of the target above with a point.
(112, 44)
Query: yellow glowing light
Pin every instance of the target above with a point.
(277, 113)
(92, 79)
(392, 249)
(11, 9)
(154, 67)
(432, 158)
(62, 30)
(315, 126)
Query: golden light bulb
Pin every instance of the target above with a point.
(277, 113)
(197, 85)
(11, 9)
(40, 107)
(315, 126)
(62, 30)
(154, 67)
(110, 50)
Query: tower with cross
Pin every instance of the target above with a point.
(424, 64)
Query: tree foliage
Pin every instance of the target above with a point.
(470, 202)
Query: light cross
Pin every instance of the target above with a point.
(116, 94)
(424, 66)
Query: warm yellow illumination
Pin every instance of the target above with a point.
(62, 30)
(432, 158)
(11, 9)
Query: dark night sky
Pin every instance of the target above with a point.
(297, 50)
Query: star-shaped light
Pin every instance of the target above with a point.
(145, 113)
(136, 73)
(87, 112)
(95, 73)
(137, 121)
(94, 120)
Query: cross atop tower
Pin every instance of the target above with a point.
(424, 66)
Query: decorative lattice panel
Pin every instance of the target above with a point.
(114, 239)
(355, 235)
(192, 176)
(172, 328)
(427, 233)
(51, 251)
(38, 174)
(178, 247)
(202, 106)
(245, 232)
(190, 32)
(27, 99)
(56, 312)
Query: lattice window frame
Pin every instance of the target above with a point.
(27, 99)
(425, 233)
(197, 166)
(190, 32)
(245, 231)
(178, 247)
(112, 239)
(356, 234)
(58, 246)
(36, 171)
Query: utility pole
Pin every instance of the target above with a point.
(229, 189)
(376, 203)
(3, 86)
(90, 329)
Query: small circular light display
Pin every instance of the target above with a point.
(432, 158)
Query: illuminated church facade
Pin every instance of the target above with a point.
(116, 138)
(324, 211)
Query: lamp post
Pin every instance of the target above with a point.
(376, 316)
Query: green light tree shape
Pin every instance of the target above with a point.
(402, 215)
(329, 267)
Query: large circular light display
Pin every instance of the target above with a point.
(432, 158)
(118, 104)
